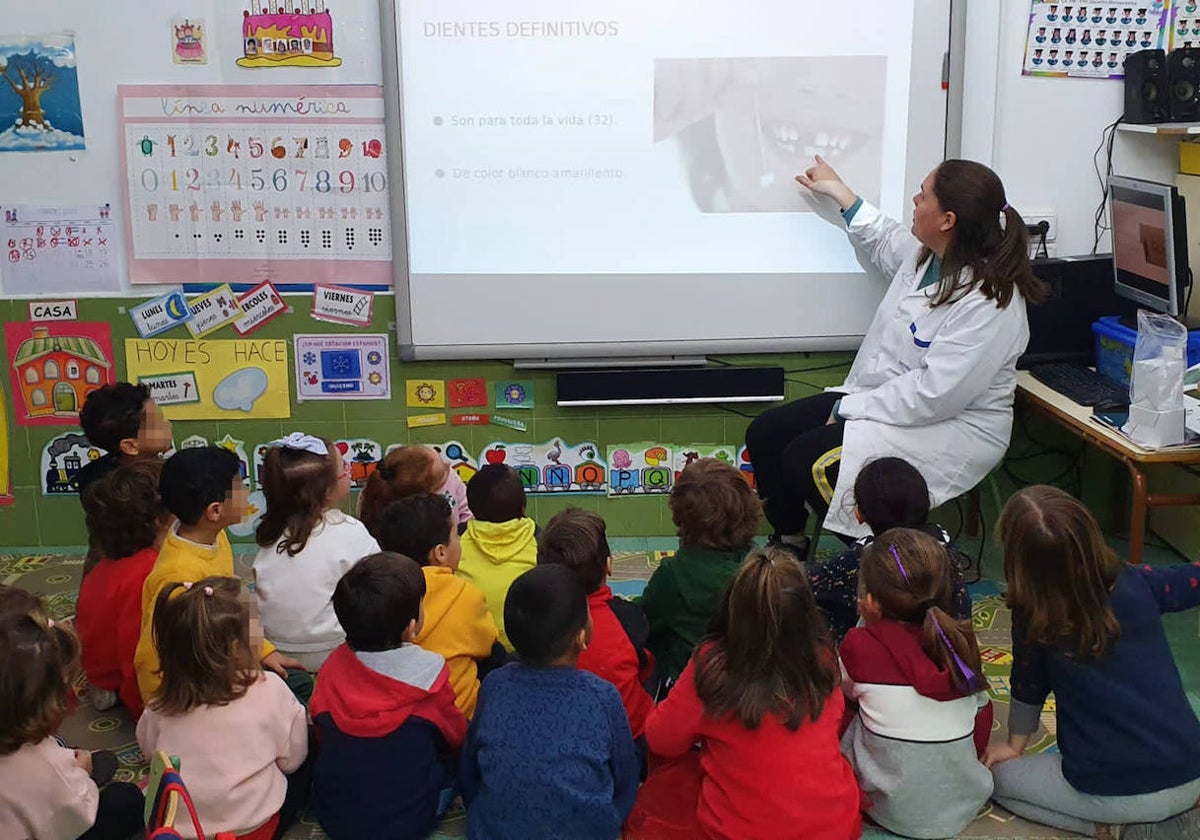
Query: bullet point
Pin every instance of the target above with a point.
(437, 120)
(441, 173)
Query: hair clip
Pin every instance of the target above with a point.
(50, 623)
(967, 673)
(186, 584)
(208, 591)
(302, 443)
(899, 565)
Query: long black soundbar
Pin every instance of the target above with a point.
(670, 385)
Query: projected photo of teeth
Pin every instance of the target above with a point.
(744, 127)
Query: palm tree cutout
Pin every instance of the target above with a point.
(36, 74)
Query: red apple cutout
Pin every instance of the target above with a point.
(495, 456)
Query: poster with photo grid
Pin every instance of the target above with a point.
(245, 183)
(1091, 40)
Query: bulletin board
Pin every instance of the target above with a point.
(136, 44)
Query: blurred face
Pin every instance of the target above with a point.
(931, 224)
(453, 545)
(154, 438)
(237, 503)
(341, 488)
(441, 470)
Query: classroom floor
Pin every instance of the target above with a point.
(56, 577)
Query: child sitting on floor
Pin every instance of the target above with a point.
(888, 493)
(576, 539)
(1088, 627)
(457, 622)
(46, 790)
(384, 711)
(549, 753)
(716, 515)
(922, 716)
(499, 544)
(238, 732)
(762, 700)
(126, 520)
(408, 471)
(305, 545)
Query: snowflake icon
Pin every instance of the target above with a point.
(374, 378)
(374, 357)
(514, 394)
(310, 358)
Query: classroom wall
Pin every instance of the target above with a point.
(36, 520)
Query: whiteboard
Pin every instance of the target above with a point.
(616, 179)
(130, 43)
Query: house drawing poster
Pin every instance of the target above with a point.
(54, 366)
(39, 94)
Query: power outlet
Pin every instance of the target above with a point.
(1033, 217)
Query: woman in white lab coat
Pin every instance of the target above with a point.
(933, 381)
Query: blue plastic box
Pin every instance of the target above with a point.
(1114, 348)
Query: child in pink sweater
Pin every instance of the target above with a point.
(237, 731)
(46, 790)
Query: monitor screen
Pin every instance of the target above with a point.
(1149, 243)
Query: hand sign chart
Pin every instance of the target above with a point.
(248, 183)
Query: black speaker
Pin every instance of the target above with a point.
(1147, 99)
(1183, 69)
(640, 386)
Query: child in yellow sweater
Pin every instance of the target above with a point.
(203, 488)
(457, 622)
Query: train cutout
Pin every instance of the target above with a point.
(554, 467)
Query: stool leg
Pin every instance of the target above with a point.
(1137, 514)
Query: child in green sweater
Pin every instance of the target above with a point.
(716, 515)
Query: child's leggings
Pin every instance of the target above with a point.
(1033, 787)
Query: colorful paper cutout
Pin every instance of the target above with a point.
(62, 459)
(54, 366)
(682, 455)
(363, 456)
(53, 310)
(236, 379)
(744, 465)
(238, 448)
(638, 469)
(259, 305)
(425, 393)
(33, 66)
(213, 310)
(470, 419)
(193, 442)
(509, 423)
(467, 393)
(419, 421)
(461, 461)
(187, 41)
(256, 507)
(514, 394)
(161, 314)
(172, 388)
(342, 367)
(552, 467)
(342, 305)
(287, 33)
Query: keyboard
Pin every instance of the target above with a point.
(1081, 384)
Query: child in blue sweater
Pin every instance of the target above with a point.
(1088, 627)
(549, 753)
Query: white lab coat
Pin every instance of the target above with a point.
(932, 386)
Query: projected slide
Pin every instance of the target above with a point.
(632, 137)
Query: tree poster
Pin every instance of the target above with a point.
(39, 94)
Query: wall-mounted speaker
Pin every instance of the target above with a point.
(1183, 69)
(1147, 98)
(672, 385)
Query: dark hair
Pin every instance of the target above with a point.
(192, 479)
(495, 494)
(995, 257)
(405, 471)
(576, 539)
(123, 510)
(112, 413)
(296, 485)
(768, 650)
(416, 525)
(377, 598)
(713, 506)
(544, 611)
(891, 493)
(1059, 570)
(921, 592)
(40, 661)
(202, 635)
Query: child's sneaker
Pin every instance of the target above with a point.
(1185, 826)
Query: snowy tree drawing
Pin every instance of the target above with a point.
(36, 76)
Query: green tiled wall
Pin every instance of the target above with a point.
(36, 520)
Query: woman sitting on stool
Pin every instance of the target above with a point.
(933, 381)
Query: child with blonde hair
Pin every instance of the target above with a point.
(238, 732)
(46, 790)
(914, 678)
(305, 545)
(1088, 627)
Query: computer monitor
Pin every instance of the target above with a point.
(1149, 239)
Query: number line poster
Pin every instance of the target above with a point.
(245, 183)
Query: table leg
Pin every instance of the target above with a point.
(1137, 513)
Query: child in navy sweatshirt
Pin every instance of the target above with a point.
(384, 711)
(549, 753)
(1088, 627)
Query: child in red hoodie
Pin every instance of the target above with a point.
(617, 652)
(384, 710)
(127, 522)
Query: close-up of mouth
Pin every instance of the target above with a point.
(805, 142)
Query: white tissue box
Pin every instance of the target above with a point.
(1154, 429)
